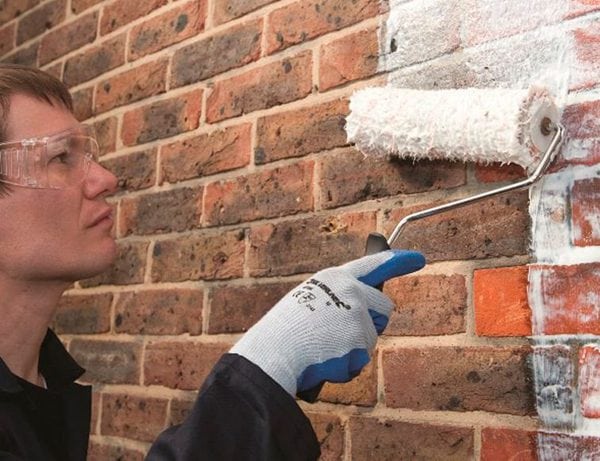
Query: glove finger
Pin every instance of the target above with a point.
(380, 308)
(377, 268)
(336, 370)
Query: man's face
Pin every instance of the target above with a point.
(54, 234)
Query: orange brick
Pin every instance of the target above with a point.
(121, 12)
(504, 444)
(501, 306)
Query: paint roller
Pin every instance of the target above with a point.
(480, 125)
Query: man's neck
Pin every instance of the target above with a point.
(27, 309)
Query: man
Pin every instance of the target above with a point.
(55, 228)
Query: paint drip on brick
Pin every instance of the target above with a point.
(437, 44)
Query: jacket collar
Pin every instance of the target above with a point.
(56, 364)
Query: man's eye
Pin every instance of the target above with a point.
(60, 158)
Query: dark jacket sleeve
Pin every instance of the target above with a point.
(240, 414)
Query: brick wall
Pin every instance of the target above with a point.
(224, 121)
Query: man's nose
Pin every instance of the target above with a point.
(99, 181)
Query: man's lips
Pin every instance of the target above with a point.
(104, 216)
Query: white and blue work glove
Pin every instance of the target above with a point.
(326, 328)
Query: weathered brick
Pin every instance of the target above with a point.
(206, 154)
(82, 103)
(81, 314)
(15, 8)
(127, 269)
(121, 12)
(37, 21)
(78, 6)
(234, 309)
(160, 312)
(62, 40)
(216, 54)
(585, 205)
(427, 305)
(279, 192)
(130, 86)
(581, 120)
(199, 257)
(175, 25)
(95, 61)
(578, 7)
(376, 439)
(7, 38)
(570, 446)
(166, 211)
(54, 69)
(261, 88)
(110, 362)
(589, 382)
(585, 72)
(101, 452)
(226, 10)
(106, 134)
(180, 365)
(501, 302)
(349, 58)
(122, 415)
(162, 119)
(25, 56)
(308, 245)
(330, 434)
(307, 19)
(569, 295)
(361, 391)
(135, 171)
(179, 410)
(502, 444)
(496, 172)
(495, 379)
(491, 228)
(350, 177)
(300, 132)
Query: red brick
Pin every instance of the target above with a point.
(379, 439)
(121, 12)
(101, 452)
(277, 83)
(494, 227)
(109, 362)
(180, 365)
(495, 379)
(587, 44)
(279, 192)
(583, 132)
(78, 6)
(308, 245)
(175, 25)
(122, 415)
(503, 444)
(427, 305)
(7, 38)
(330, 434)
(179, 410)
(95, 61)
(348, 59)
(497, 173)
(135, 171)
(54, 69)
(129, 267)
(361, 391)
(589, 380)
(106, 134)
(15, 8)
(307, 19)
(226, 10)
(37, 21)
(501, 302)
(234, 47)
(206, 154)
(300, 132)
(25, 56)
(81, 314)
(569, 295)
(230, 311)
(162, 119)
(173, 210)
(349, 177)
(71, 36)
(199, 257)
(130, 86)
(82, 103)
(160, 312)
(585, 205)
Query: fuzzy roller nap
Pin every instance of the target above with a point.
(480, 125)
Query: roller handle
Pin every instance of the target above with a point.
(375, 243)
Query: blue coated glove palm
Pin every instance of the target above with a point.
(326, 328)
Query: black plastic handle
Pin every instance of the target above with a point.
(375, 243)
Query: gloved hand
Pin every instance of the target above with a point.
(326, 328)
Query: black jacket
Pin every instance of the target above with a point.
(240, 414)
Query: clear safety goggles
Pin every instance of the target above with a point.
(50, 162)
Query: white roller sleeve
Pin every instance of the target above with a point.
(480, 125)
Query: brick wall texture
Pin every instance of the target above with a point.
(224, 122)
